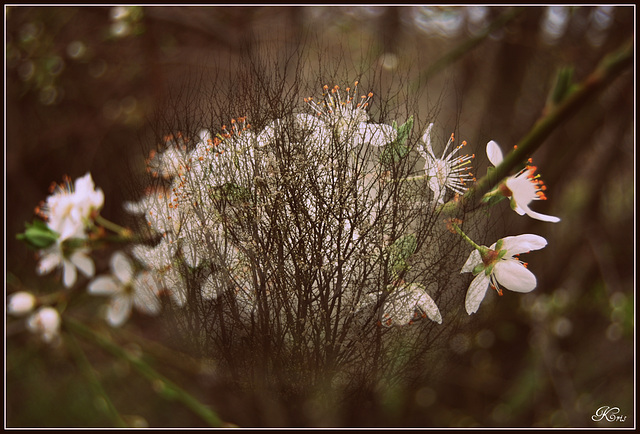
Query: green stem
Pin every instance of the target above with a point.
(124, 232)
(165, 387)
(606, 71)
(464, 236)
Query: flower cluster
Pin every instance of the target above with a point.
(499, 263)
(303, 218)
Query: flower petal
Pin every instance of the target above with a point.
(426, 148)
(472, 261)
(428, 306)
(434, 185)
(119, 310)
(121, 267)
(104, 285)
(538, 216)
(494, 153)
(377, 134)
(522, 244)
(145, 297)
(49, 262)
(514, 276)
(69, 273)
(477, 291)
(84, 263)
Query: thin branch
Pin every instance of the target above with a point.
(604, 74)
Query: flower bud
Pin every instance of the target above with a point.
(21, 303)
(46, 322)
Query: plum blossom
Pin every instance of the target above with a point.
(522, 188)
(126, 289)
(58, 255)
(46, 323)
(404, 305)
(69, 209)
(449, 171)
(346, 119)
(499, 264)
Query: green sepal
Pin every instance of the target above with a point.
(501, 253)
(477, 269)
(489, 269)
(38, 235)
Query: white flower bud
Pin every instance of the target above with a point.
(21, 303)
(46, 322)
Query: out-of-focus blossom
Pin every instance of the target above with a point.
(21, 303)
(69, 210)
(46, 323)
(126, 289)
(58, 256)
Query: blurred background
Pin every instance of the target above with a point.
(83, 85)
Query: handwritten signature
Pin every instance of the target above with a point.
(609, 414)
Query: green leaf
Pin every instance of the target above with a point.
(399, 253)
(397, 149)
(404, 131)
(38, 235)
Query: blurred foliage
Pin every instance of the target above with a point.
(82, 82)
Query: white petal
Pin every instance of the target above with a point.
(429, 307)
(472, 261)
(69, 273)
(522, 244)
(477, 291)
(49, 262)
(145, 296)
(494, 153)
(377, 134)
(426, 140)
(434, 185)
(104, 285)
(119, 310)
(538, 216)
(122, 267)
(84, 263)
(154, 257)
(514, 276)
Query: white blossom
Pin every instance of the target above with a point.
(346, 119)
(126, 289)
(21, 303)
(449, 171)
(57, 255)
(45, 322)
(522, 188)
(500, 265)
(69, 209)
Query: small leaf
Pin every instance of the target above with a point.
(38, 235)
